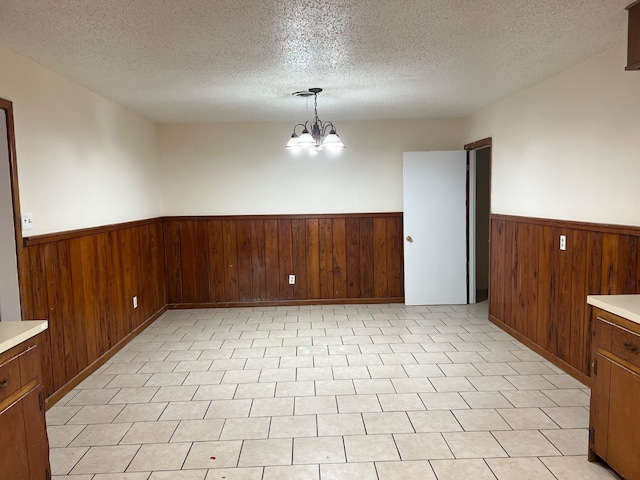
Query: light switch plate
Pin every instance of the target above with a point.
(27, 222)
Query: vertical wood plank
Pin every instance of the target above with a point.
(509, 268)
(142, 269)
(339, 258)
(272, 261)
(258, 263)
(243, 232)
(380, 275)
(516, 266)
(299, 242)
(546, 287)
(92, 297)
(202, 256)
(56, 320)
(173, 262)
(495, 287)
(366, 258)
(188, 262)
(325, 246)
(627, 279)
(104, 309)
(353, 257)
(579, 292)
(610, 263)
(79, 320)
(313, 258)
(66, 309)
(285, 254)
(563, 317)
(231, 291)
(124, 310)
(594, 286)
(129, 276)
(144, 278)
(40, 310)
(527, 282)
(216, 261)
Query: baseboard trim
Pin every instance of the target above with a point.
(287, 303)
(97, 363)
(574, 372)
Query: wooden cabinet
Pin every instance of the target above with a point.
(633, 48)
(614, 427)
(23, 436)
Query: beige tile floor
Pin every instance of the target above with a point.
(367, 392)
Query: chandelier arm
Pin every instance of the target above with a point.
(325, 127)
(298, 125)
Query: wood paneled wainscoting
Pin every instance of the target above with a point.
(538, 293)
(83, 282)
(245, 260)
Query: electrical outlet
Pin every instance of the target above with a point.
(563, 242)
(27, 223)
(292, 279)
(135, 302)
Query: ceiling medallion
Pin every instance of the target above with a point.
(314, 133)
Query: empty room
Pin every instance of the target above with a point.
(319, 240)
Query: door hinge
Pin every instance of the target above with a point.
(594, 367)
(592, 435)
(41, 401)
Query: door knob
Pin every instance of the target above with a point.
(409, 239)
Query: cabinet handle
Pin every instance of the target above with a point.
(4, 383)
(631, 347)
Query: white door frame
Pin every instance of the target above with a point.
(471, 227)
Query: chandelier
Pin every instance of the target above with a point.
(314, 133)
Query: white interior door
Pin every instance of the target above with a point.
(435, 217)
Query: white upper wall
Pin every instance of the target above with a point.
(82, 159)
(242, 168)
(568, 148)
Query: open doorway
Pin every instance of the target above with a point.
(9, 214)
(478, 214)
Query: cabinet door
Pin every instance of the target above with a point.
(623, 451)
(23, 439)
(37, 440)
(13, 442)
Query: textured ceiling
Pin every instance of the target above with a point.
(239, 60)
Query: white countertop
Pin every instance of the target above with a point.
(14, 333)
(625, 306)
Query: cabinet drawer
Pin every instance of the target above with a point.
(626, 345)
(9, 378)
